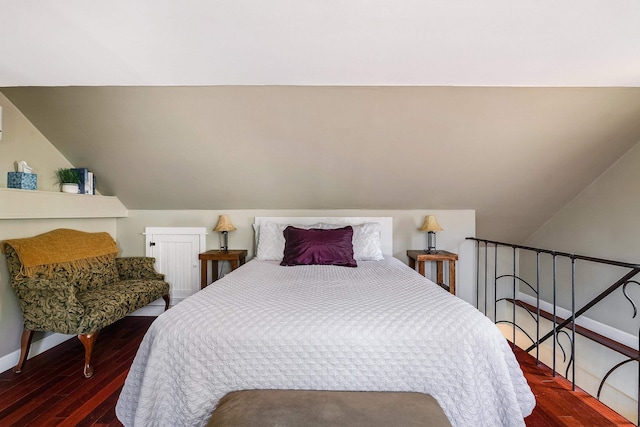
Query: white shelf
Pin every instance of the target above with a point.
(33, 204)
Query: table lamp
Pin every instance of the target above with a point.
(225, 226)
(431, 226)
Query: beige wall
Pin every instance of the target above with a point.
(22, 141)
(603, 221)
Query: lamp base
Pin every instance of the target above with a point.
(225, 241)
(431, 242)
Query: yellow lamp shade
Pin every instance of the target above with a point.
(430, 224)
(224, 224)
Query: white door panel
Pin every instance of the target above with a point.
(176, 252)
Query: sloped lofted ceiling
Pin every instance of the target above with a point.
(325, 104)
(320, 42)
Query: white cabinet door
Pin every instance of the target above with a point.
(176, 252)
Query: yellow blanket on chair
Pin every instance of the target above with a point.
(66, 248)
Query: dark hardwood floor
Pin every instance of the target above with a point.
(558, 406)
(51, 391)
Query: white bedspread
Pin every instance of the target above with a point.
(380, 326)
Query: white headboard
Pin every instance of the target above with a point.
(386, 225)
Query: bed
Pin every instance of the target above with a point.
(377, 327)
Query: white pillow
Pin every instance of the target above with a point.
(367, 240)
(271, 240)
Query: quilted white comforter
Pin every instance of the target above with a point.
(380, 326)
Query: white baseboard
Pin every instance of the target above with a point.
(10, 360)
(156, 308)
(615, 334)
(149, 310)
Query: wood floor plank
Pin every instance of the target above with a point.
(78, 392)
(555, 400)
(30, 380)
(84, 415)
(21, 406)
(109, 406)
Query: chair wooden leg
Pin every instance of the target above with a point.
(88, 340)
(167, 300)
(25, 345)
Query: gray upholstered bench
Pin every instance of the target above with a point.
(327, 408)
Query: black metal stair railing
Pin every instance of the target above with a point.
(515, 283)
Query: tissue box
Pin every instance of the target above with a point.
(25, 181)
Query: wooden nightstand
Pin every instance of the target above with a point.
(237, 257)
(439, 257)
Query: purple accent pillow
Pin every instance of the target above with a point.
(318, 247)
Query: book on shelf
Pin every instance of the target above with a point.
(87, 181)
(90, 181)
